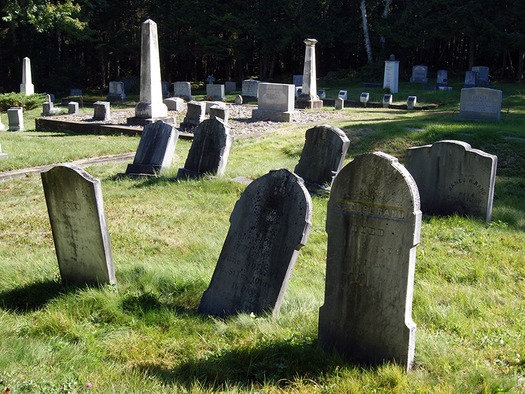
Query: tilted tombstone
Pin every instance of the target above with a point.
(78, 222)
(101, 110)
(322, 157)
(482, 104)
(15, 119)
(155, 151)
(276, 102)
(182, 90)
(453, 178)
(419, 74)
(373, 224)
(194, 115)
(209, 150)
(269, 224)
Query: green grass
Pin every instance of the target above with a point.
(144, 335)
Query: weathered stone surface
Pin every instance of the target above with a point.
(323, 154)
(195, 114)
(391, 75)
(27, 87)
(215, 91)
(250, 88)
(116, 91)
(156, 149)
(217, 111)
(101, 110)
(78, 222)
(419, 74)
(209, 150)
(453, 178)
(411, 102)
(276, 102)
(373, 225)
(175, 104)
(480, 104)
(15, 119)
(230, 86)
(269, 224)
(182, 90)
(387, 100)
(72, 108)
(442, 78)
(339, 103)
(482, 75)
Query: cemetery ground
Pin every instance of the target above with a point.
(144, 334)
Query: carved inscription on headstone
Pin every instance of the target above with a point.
(373, 225)
(269, 224)
(78, 222)
(453, 178)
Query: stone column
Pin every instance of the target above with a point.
(308, 97)
(151, 101)
(26, 86)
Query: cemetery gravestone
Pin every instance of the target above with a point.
(321, 94)
(72, 108)
(373, 224)
(78, 222)
(210, 104)
(174, 104)
(391, 75)
(269, 224)
(216, 92)
(470, 79)
(323, 154)
(308, 97)
(194, 115)
(182, 90)
(15, 119)
(363, 98)
(101, 110)
(480, 104)
(75, 92)
(116, 91)
(339, 103)
(453, 178)
(419, 74)
(230, 86)
(26, 87)
(411, 102)
(442, 78)
(217, 111)
(250, 88)
(238, 99)
(47, 108)
(298, 80)
(276, 102)
(155, 151)
(165, 89)
(343, 94)
(209, 150)
(482, 75)
(387, 100)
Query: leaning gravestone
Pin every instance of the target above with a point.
(373, 224)
(480, 104)
(156, 149)
(453, 178)
(209, 150)
(269, 224)
(322, 157)
(76, 212)
(195, 113)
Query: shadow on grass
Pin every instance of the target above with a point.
(275, 363)
(34, 296)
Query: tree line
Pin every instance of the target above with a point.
(87, 43)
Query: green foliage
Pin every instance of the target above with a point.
(8, 100)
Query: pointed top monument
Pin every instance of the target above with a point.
(26, 86)
(308, 97)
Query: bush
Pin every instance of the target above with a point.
(32, 101)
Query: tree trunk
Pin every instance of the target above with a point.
(368, 45)
(521, 61)
(384, 16)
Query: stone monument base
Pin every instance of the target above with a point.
(308, 103)
(274, 116)
(136, 121)
(142, 169)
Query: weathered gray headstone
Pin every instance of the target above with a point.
(101, 110)
(26, 87)
(47, 108)
(482, 75)
(72, 108)
(250, 88)
(276, 102)
(387, 100)
(75, 92)
(411, 102)
(155, 151)
(364, 97)
(321, 93)
(116, 90)
(175, 104)
(269, 224)
(322, 157)
(15, 119)
(419, 74)
(442, 78)
(453, 178)
(217, 111)
(216, 92)
(308, 97)
(391, 75)
(195, 114)
(343, 94)
(470, 79)
(209, 150)
(480, 104)
(373, 224)
(230, 86)
(182, 90)
(238, 99)
(210, 104)
(78, 222)
(339, 103)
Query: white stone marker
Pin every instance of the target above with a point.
(26, 87)
(151, 104)
(411, 102)
(276, 102)
(391, 75)
(308, 97)
(387, 100)
(72, 108)
(373, 224)
(15, 118)
(2, 126)
(78, 222)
